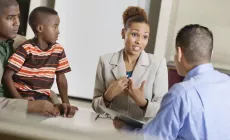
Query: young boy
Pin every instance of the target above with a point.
(32, 68)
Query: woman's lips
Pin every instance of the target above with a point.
(136, 48)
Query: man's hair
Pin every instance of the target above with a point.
(38, 16)
(7, 3)
(196, 42)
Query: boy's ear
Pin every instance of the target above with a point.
(39, 28)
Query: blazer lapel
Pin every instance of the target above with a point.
(119, 70)
(141, 66)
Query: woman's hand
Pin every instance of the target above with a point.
(116, 88)
(137, 94)
(119, 124)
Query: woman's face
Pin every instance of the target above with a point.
(136, 37)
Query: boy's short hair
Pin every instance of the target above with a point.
(196, 42)
(38, 14)
(7, 3)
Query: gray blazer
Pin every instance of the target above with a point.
(149, 68)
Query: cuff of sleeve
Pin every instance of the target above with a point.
(12, 67)
(146, 105)
(63, 71)
(107, 103)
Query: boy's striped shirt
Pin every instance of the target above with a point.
(35, 69)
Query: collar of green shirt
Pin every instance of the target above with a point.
(8, 41)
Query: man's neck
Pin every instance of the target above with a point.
(189, 67)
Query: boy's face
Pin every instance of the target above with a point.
(51, 29)
(9, 22)
(136, 38)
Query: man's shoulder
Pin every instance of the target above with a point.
(203, 80)
(182, 88)
(176, 89)
(18, 41)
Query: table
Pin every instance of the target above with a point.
(83, 120)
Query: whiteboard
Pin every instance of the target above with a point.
(88, 29)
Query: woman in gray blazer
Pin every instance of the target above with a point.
(131, 81)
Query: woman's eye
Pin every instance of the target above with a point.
(134, 34)
(146, 37)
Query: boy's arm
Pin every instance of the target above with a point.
(62, 68)
(62, 87)
(14, 65)
(8, 80)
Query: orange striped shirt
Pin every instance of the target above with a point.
(35, 69)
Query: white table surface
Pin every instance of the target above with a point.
(83, 120)
(82, 126)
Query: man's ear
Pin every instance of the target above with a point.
(123, 33)
(179, 54)
(39, 28)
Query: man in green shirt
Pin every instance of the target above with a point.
(9, 25)
(6, 51)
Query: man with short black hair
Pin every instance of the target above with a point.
(197, 108)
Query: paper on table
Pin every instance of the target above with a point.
(83, 120)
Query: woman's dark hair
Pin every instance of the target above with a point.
(134, 14)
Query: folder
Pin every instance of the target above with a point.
(130, 121)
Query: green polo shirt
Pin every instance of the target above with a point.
(6, 50)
